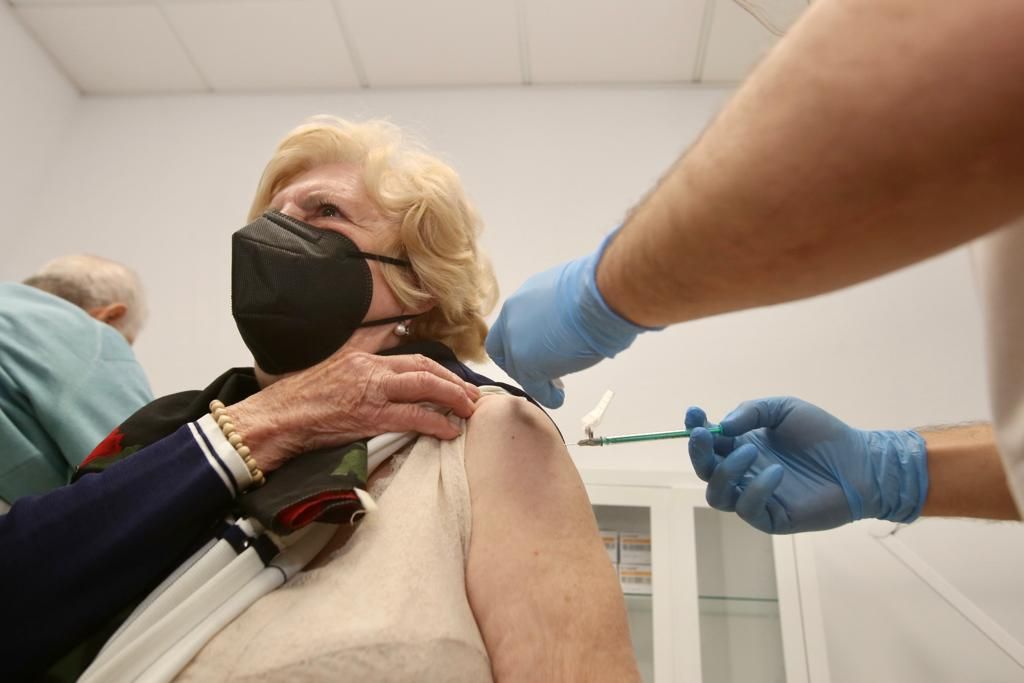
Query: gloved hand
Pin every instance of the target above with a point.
(555, 324)
(787, 466)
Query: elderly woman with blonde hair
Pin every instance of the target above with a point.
(481, 560)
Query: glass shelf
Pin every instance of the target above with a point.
(638, 601)
(643, 601)
(740, 631)
(737, 598)
(740, 608)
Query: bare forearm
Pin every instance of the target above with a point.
(966, 475)
(876, 134)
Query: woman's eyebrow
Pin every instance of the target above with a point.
(316, 197)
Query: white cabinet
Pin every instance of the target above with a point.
(728, 603)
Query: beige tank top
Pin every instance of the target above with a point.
(390, 605)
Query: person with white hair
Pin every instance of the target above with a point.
(108, 291)
(67, 371)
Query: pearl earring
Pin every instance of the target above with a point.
(403, 329)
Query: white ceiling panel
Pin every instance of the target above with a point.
(113, 48)
(612, 40)
(441, 42)
(738, 40)
(265, 44)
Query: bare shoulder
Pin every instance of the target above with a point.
(515, 456)
(502, 417)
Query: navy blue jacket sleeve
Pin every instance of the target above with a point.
(72, 557)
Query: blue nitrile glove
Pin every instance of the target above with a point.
(555, 324)
(786, 466)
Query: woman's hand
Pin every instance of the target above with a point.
(349, 396)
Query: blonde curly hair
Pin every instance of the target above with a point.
(437, 228)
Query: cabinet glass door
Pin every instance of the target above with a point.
(630, 527)
(740, 630)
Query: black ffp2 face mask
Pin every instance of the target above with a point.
(299, 292)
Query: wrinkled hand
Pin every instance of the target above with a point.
(555, 324)
(350, 395)
(786, 466)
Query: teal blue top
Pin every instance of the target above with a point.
(66, 380)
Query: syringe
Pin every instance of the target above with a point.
(647, 436)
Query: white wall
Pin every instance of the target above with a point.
(162, 182)
(36, 104)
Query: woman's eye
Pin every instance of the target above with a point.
(326, 210)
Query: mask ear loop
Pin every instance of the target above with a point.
(404, 327)
(384, 321)
(382, 259)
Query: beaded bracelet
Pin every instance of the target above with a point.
(220, 414)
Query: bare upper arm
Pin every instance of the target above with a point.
(538, 579)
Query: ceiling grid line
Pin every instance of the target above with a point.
(124, 47)
(350, 46)
(57, 63)
(524, 42)
(184, 48)
(707, 20)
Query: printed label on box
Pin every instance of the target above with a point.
(611, 544)
(634, 548)
(635, 578)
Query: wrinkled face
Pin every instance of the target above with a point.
(332, 197)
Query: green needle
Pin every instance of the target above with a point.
(649, 436)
